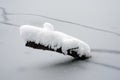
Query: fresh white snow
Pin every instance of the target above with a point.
(47, 36)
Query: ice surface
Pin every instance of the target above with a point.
(18, 62)
(47, 36)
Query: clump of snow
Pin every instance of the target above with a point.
(47, 36)
(48, 26)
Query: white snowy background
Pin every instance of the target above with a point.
(96, 22)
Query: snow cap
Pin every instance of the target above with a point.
(48, 26)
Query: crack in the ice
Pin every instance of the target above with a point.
(105, 65)
(97, 63)
(105, 51)
(60, 20)
(5, 13)
(76, 61)
(10, 24)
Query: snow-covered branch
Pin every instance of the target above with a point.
(47, 38)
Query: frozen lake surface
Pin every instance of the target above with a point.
(95, 22)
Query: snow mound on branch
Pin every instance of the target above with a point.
(47, 36)
(48, 26)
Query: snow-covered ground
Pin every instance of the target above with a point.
(95, 22)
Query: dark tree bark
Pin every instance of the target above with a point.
(59, 50)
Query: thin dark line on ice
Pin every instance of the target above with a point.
(105, 51)
(4, 14)
(103, 64)
(10, 24)
(85, 26)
